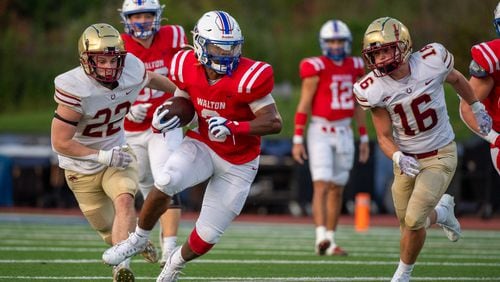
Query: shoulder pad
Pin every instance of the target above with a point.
(476, 70)
(311, 66)
(257, 79)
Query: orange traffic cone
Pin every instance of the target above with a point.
(362, 212)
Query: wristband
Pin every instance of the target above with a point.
(239, 127)
(362, 130)
(396, 156)
(491, 137)
(364, 138)
(300, 122)
(298, 139)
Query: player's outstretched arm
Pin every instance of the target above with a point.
(160, 82)
(464, 90)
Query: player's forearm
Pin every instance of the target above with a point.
(160, 82)
(463, 88)
(264, 125)
(73, 149)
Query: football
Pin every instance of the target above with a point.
(181, 107)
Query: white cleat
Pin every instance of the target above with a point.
(400, 277)
(125, 249)
(170, 273)
(451, 226)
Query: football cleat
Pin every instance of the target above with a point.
(451, 226)
(125, 249)
(400, 277)
(149, 254)
(123, 274)
(322, 246)
(335, 251)
(170, 273)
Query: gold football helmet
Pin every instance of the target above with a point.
(102, 40)
(385, 33)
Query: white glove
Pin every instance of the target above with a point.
(116, 157)
(482, 118)
(407, 164)
(219, 127)
(159, 124)
(138, 112)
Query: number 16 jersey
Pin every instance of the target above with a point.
(416, 103)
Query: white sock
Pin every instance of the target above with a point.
(168, 243)
(330, 235)
(142, 233)
(177, 259)
(405, 268)
(320, 233)
(441, 213)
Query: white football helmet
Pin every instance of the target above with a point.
(217, 41)
(496, 21)
(335, 29)
(145, 30)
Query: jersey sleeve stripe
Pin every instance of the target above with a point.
(449, 58)
(67, 99)
(175, 36)
(486, 57)
(176, 71)
(492, 56)
(317, 63)
(362, 102)
(246, 75)
(255, 76)
(182, 35)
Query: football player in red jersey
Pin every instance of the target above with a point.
(87, 134)
(155, 45)
(485, 81)
(327, 95)
(234, 105)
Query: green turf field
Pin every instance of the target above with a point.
(62, 248)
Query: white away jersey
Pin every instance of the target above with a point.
(103, 109)
(416, 103)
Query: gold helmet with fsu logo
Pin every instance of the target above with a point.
(101, 40)
(385, 33)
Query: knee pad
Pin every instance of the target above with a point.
(197, 244)
(413, 223)
(101, 220)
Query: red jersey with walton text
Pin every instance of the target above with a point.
(487, 55)
(166, 42)
(333, 99)
(229, 97)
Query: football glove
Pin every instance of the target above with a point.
(160, 125)
(407, 164)
(220, 127)
(483, 119)
(138, 112)
(116, 157)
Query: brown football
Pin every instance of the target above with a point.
(181, 107)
